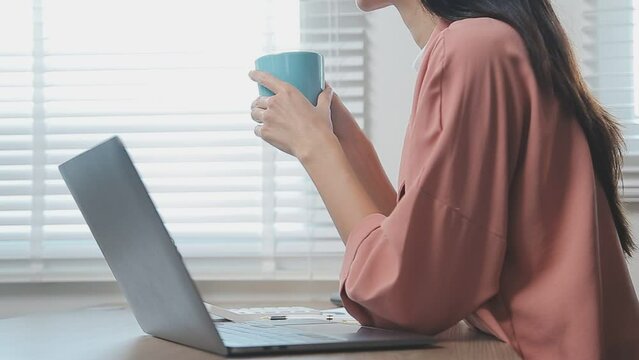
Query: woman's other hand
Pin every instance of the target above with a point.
(288, 120)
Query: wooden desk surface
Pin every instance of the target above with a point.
(110, 333)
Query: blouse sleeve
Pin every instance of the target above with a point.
(437, 257)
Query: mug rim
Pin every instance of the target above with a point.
(296, 52)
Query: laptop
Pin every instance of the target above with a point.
(151, 273)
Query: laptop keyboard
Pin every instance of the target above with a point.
(238, 334)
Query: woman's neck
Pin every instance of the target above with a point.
(420, 22)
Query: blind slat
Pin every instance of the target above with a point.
(611, 59)
(179, 98)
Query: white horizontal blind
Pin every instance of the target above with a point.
(16, 135)
(334, 28)
(611, 71)
(612, 77)
(170, 78)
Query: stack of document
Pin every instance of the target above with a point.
(338, 315)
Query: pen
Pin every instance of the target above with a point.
(328, 317)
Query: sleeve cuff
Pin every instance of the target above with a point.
(358, 234)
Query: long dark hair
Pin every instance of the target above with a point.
(556, 68)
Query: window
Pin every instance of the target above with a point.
(612, 71)
(170, 78)
(612, 77)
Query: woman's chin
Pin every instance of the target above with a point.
(370, 5)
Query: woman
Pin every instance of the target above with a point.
(508, 213)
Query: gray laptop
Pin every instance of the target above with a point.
(150, 271)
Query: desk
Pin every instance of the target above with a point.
(111, 333)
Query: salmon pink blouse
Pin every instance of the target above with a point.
(499, 218)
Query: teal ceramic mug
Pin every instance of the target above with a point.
(302, 69)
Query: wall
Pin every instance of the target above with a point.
(392, 77)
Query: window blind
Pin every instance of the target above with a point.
(611, 63)
(610, 66)
(170, 78)
(300, 212)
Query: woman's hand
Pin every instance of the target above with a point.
(288, 120)
(292, 124)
